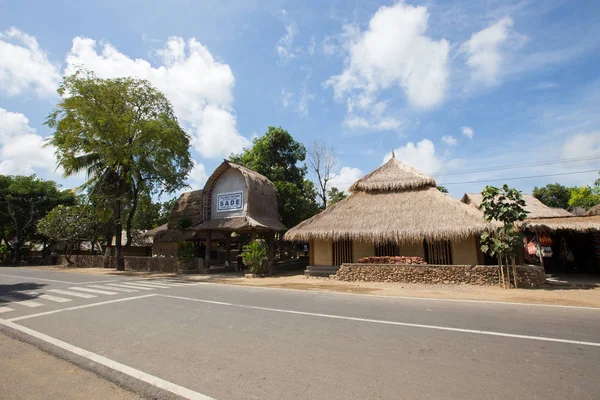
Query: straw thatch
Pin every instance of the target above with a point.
(536, 208)
(189, 206)
(577, 224)
(593, 211)
(379, 211)
(392, 176)
(262, 209)
(138, 239)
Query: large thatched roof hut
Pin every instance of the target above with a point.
(394, 210)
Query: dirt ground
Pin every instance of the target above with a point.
(563, 294)
(29, 373)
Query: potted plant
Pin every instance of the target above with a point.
(255, 257)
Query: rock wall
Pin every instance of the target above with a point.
(528, 276)
(154, 264)
(391, 260)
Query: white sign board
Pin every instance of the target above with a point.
(230, 201)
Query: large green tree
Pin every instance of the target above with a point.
(23, 201)
(335, 195)
(279, 157)
(585, 197)
(553, 195)
(124, 135)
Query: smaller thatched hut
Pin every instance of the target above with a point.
(393, 211)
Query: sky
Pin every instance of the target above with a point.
(472, 92)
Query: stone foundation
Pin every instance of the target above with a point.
(528, 276)
(153, 264)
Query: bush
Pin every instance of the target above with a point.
(185, 254)
(255, 256)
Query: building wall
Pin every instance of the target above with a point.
(412, 250)
(362, 249)
(232, 180)
(322, 252)
(165, 248)
(464, 252)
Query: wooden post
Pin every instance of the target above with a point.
(228, 247)
(252, 236)
(271, 244)
(208, 248)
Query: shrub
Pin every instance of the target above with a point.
(255, 256)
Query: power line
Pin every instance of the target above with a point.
(518, 177)
(511, 166)
(532, 164)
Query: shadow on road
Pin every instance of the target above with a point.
(15, 291)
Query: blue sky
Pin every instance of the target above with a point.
(455, 88)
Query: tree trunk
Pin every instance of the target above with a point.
(17, 252)
(119, 261)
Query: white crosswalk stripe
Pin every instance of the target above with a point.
(4, 309)
(112, 288)
(47, 297)
(26, 303)
(128, 285)
(152, 285)
(92, 290)
(74, 294)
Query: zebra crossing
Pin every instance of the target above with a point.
(25, 299)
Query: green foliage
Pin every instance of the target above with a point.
(185, 252)
(70, 224)
(255, 256)
(553, 195)
(442, 189)
(184, 223)
(277, 156)
(585, 197)
(124, 135)
(335, 195)
(23, 201)
(505, 206)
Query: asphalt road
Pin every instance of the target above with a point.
(232, 342)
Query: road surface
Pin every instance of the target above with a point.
(171, 337)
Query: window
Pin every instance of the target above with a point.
(387, 250)
(342, 252)
(438, 252)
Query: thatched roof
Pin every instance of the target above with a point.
(406, 209)
(262, 210)
(536, 208)
(593, 211)
(138, 239)
(190, 206)
(392, 176)
(577, 224)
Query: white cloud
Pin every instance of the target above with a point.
(21, 149)
(197, 177)
(421, 156)
(582, 145)
(285, 45)
(394, 52)
(24, 67)
(449, 140)
(376, 118)
(286, 98)
(312, 45)
(345, 177)
(200, 88)
(467, 131)
(486, 50)
(297, 102)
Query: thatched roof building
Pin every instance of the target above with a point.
(394, 203)
(533, 206)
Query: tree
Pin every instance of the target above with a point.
(442, 189)
(70, 224)
(585, 197)
(23, 201)
(124, 134)
(277, 156)
(504, 206)
(553, 195)
(336, 195)
(322, 161)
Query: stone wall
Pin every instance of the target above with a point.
(528, 276)
(153, 264)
